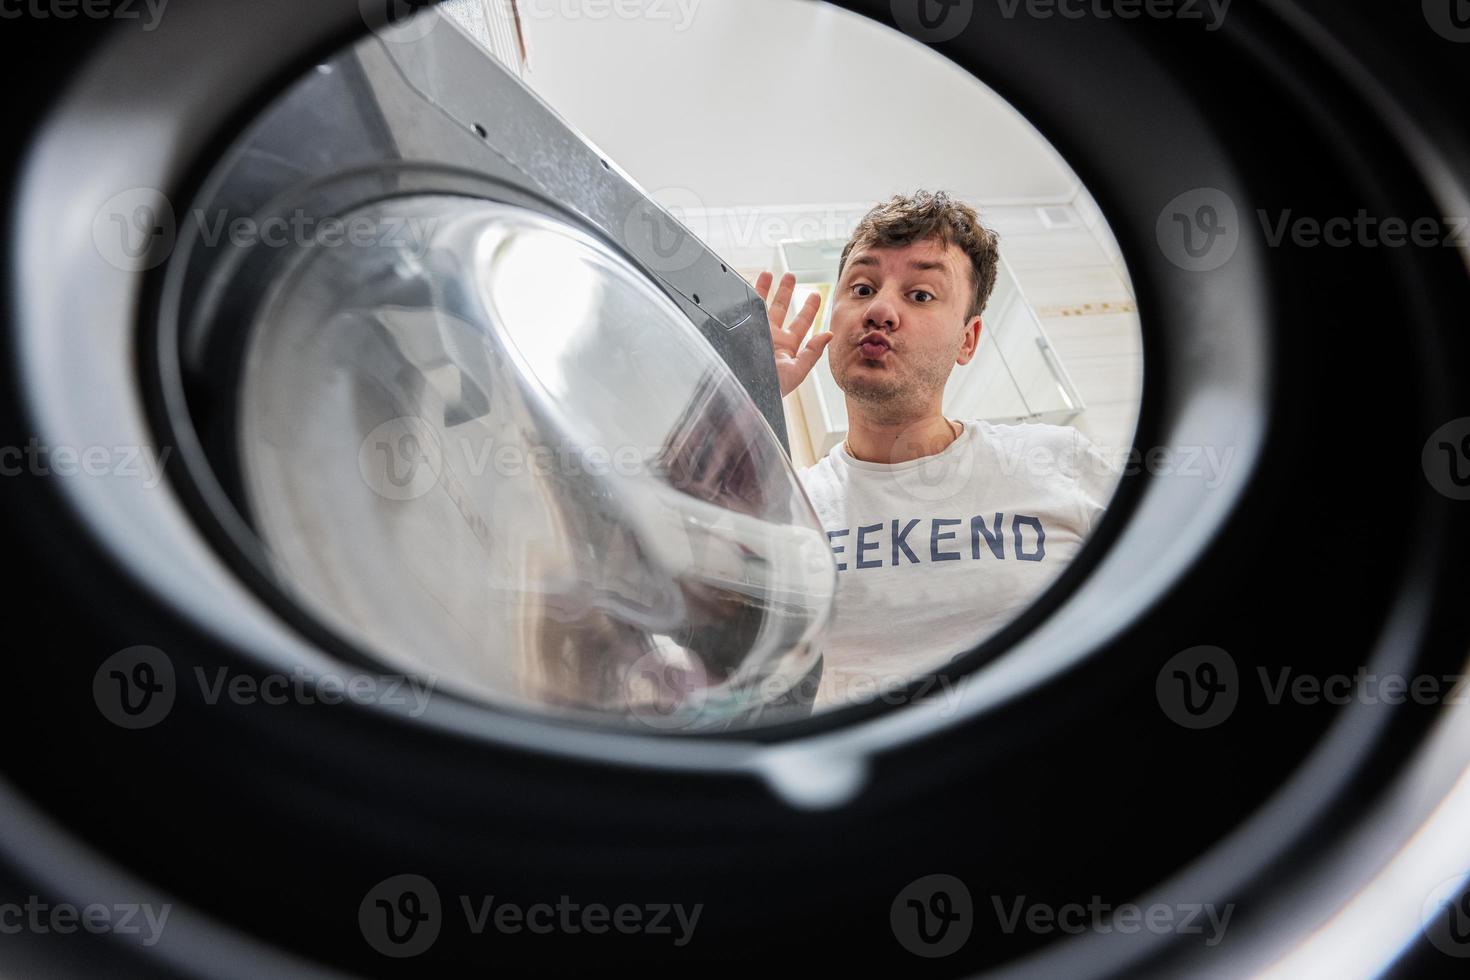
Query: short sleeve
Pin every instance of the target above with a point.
(1095, 477)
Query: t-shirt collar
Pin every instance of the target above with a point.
(841, 456)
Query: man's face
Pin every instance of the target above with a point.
(899, 324)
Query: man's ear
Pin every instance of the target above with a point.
(970, 341)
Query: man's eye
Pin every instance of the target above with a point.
(861, 286)
(920, 293)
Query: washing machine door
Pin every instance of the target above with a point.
(442, 393)
(508, 461)
(486, 413)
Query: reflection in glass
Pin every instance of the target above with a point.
(505, 460)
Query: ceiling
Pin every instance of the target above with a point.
(734, 103)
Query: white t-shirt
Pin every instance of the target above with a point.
(936, 554)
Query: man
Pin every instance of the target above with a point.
(942, 529)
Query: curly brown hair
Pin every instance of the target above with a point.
(903, 220)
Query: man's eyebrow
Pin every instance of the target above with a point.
(930, 266)
(917, 264)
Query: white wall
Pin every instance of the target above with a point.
(755, 121)
(779, 102)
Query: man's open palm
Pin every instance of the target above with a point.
(793, 361)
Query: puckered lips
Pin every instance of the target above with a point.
(875, 346)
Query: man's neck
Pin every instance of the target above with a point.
(898, 441)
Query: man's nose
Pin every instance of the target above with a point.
(881, 314)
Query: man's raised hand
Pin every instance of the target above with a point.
(793, 361)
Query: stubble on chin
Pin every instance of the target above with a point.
(870, 390)
(890, 399)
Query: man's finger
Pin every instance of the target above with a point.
(781, 302)
(806, 316)
(812, 352)
(763, 285)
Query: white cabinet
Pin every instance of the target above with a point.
(1014, 376)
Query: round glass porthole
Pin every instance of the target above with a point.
(502, 458)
